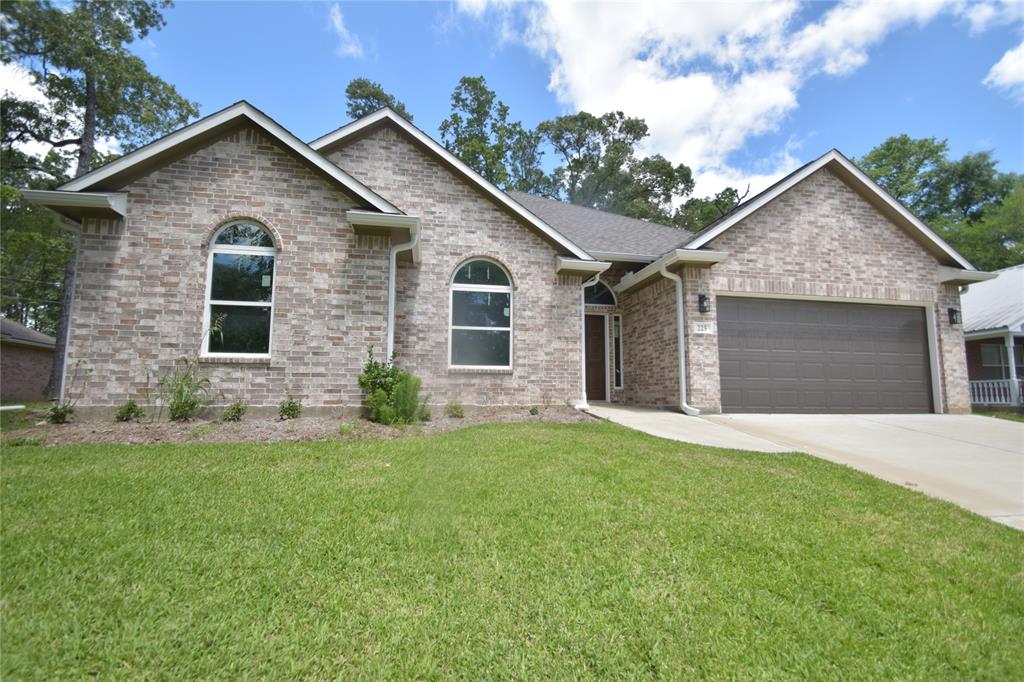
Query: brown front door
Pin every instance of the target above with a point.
(597, 363)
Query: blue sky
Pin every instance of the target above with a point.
(737, 92)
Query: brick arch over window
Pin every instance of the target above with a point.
(482, 256)
(262, 221)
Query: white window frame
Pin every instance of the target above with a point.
(208, 303)
(487, 288)
(620, 380)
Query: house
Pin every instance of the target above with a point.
(279, 263)
(993, 314)
(26, 358)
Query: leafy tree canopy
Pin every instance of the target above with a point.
(365, 97)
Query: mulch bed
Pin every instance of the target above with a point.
(265, 429)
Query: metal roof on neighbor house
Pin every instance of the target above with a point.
(996, 304)
(603, 234)
(15, 332)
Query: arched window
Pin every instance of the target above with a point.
(239, 291)
(598, 294)
(481, 316)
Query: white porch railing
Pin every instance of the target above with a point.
(995, 392)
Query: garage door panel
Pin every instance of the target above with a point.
(816, 356)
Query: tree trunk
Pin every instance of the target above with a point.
(86, 151)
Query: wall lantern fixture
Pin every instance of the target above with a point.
(954, 316)
(703, 303)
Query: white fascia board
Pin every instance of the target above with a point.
(450, 159)
(575, 266)
(948, 275)
(113, 201)
(674, 257)
(235, 111)
(832, 156)
(622, 257)
(409, 223)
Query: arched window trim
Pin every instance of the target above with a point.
(214, 248)
(453, 287)
(610, 290)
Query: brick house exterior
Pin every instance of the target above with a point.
(378, 200)
(26, 358)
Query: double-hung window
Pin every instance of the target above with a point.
(240, 292)
(481, 317)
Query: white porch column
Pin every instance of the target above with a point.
(1014, 385)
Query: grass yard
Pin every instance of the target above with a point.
(1000, 413)
(528, 551)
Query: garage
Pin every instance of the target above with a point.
(818, 356)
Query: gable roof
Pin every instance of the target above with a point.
(603, 234)
(17, 333)
(995, 304)
(860, 182)
(114, 174)
(501, 198)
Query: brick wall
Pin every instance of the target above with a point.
(24, 372)
(823, 239)
(457, 223)
(140, 286)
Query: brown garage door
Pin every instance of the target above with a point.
(812, 356)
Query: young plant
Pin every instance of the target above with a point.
(129, 412)
(290, 408)
(61, 411)
(454, 409)
(185, 390)
(378, 375)
(534, 411)
(235, 411)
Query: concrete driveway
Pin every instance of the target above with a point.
(976, 462)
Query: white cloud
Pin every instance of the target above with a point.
(707, 77)
(349, 44)
(1008, 73)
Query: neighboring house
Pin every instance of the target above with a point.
(280, 262)
(993, 314)
(26, 358)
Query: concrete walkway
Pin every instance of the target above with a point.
(976, 462)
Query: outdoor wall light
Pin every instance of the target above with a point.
(703, 303)
(954, 316)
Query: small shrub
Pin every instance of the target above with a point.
(346, 429)
(290, 408)
(235, 411)
(379, 375)
(454, 409)
(534, 410)
(22, 441)
(59, 413)
(185, 390)
(129, 412)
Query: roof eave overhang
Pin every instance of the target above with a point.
(994, 332)
(948, 275)
(79, 205)
(622, 257)
(7, 341)
(359, 126)
(583, 268)
(398, 228)
(674, 259)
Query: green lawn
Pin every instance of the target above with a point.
(523, 551)
(1003, 413)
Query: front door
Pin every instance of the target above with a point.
(597, 364)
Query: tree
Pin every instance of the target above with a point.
(479, 133)
(365, 97)
(956, 197)
(600, 168)
(997, 240)
(94, 88)
(695, 214)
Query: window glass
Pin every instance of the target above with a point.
(243, 329)
(598, 294)
(480, 347)
(992, 355)
(242, 277)
(481, 272)
(481, 308)
(245, 234)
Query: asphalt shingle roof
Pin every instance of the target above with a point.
(15, 332)
(601, 232)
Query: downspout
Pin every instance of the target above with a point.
(681, 341)
(582, 404)
(392, 276)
